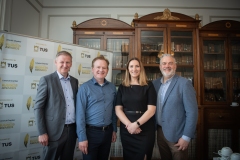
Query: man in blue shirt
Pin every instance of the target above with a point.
(95, 115)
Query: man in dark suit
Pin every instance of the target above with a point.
(54, 110)
(177, 111)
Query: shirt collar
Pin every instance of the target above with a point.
(95, 81)
(61, 76)
(167, 81)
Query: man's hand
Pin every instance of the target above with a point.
(43, 139)
(182, 144)
(114, 136)
(83, 146)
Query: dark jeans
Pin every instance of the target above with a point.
(99, 144)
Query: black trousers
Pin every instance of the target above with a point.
(62, 148)
(99, 143)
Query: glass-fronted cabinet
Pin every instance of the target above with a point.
(219, 77)
(173, 34)
(111, 35)
(182, 48)
(90, 42)
(152, 46)
(120, 49)
(235, 68)
(220, 65)
(214, 70)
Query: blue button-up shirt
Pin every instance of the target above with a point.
(161, 95)
(68, 94)
(95, 106)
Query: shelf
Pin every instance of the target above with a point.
(150, 51)
(179, 37)
(215, 70)
(185, 65)
(214, 53)
(119, 69)
(151, 65)
(151, 36)
(183, 52)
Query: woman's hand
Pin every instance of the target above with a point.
(133, 128)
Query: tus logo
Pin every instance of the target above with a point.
(37, 48)
(33, 85)
(7, 144)
(33, 157)
(3, 64)
(1, 105)
(85, 55)
(9, 105)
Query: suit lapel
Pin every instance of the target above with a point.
(59, 88)
(72, 85)
(169, 90)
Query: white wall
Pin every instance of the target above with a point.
(53, 19)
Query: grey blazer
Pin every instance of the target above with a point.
(50, 105)
(179, 110)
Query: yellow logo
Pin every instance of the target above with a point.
(29, 102)
(59, 48)
(1, 105)
(31, 65)
(98, 54)
(79, 69)
(26, 140)
(1, 41)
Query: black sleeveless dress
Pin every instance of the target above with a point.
(136, 98)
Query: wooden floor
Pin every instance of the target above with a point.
(121, 158)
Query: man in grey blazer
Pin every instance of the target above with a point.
(177, 111)
(54, 110)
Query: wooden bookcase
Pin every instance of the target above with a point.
(220, 85)
(107, 34)
(209, 56)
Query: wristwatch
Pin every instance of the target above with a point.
(138, 123)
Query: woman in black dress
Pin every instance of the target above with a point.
(135, 107)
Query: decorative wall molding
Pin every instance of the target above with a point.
(89, 16)
(211, 18)
(39, 16)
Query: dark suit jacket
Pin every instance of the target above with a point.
(50, 105)
(179, 110)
